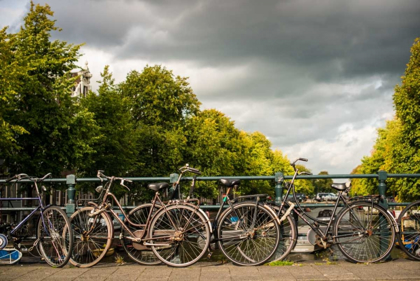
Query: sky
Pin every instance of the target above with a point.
(315, 77)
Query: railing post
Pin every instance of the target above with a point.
(71, 192)
(172, 179)
(278, 188)
(382, 176)
(383, 225)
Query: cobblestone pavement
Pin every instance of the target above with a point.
(400, 269)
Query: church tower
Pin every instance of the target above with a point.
(82, 86)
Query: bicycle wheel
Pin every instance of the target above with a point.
(409, 235)
(93, 237)
(55, 236)
(180, 234)
(364, 232)
(138, 252)
(287, 238)
(248, 234)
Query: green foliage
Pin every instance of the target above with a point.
(117, 136)
(42, 106)
(160, 105)
(214, 146)
(397, 148)
(159, 98)
(407, 105)
(259, 159)
(323, 185)
(304, 186)
(10, 71)
(149, 125)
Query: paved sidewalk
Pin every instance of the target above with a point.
(400, 269)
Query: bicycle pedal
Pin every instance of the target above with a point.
(209, 255)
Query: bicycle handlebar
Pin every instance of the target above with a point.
(187, 168)
(100, 174)
(25, 176)
(299, 159)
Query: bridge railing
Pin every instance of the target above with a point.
(277, 179)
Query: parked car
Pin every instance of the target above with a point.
(331, 197)
(292, 199)
(320, 196)
(326, 197)
(302, 197)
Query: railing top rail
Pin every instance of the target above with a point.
(63, 180)
(213, 178)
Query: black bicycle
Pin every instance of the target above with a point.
(363, 230)
(54, 236)
(409, 235)
(246, 231)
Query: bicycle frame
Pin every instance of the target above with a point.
(123, 224)
(315, 224)
(40, 208)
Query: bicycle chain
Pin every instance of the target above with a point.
(34, 245)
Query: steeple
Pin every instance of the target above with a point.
(82, 86)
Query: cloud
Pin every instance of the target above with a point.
(316, 77)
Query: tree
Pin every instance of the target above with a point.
(60, 133)
(116, 148)
(323, 185)
(304, 186)
(159, 98)
(407, 106)
(397, 148)
(160, 104)
(10, 71)
(214, 146)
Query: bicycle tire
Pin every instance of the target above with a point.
(181, 234)
(88, 249)
(139, 253)
(364, 232)
(288, 237)
(241, 245)
(409, 235)
(55, 236)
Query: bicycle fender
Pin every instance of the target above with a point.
(394, 222)
(207, 219)
(268, 208)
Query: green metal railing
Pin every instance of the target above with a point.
(382, 176)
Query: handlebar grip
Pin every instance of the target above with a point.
(122, 183)
(44, 177)
(100, 173)
(194, 170)
(17, 177)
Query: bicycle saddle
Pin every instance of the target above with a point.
(230, 182)
(158, 186)
(339, 186)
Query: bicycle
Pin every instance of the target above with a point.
(409, 234)
(166, 227)
(54, 236)
(363, 230)
(246, 232)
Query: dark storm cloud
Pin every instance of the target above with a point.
(353, 37)
(316, 77)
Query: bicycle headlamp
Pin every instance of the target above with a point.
(99, 188)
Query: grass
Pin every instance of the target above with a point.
(119, 260)
(280, 263)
